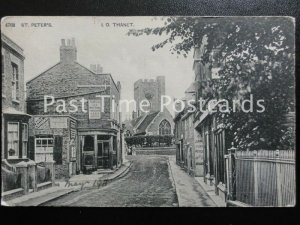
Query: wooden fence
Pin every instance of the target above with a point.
(264, 177)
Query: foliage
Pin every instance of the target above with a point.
(257, 58)
(149, 140)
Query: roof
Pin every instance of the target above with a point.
(13, 111)
(135, 121)
(191, 88)
(12, 45)
(146, 122)
(85, 68)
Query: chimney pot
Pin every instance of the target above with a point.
(73, 42)
(68, 53)
(99, 68)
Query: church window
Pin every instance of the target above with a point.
(164, 128)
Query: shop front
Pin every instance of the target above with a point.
(53, 138)
(98, 150)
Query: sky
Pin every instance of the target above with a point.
(100, 41)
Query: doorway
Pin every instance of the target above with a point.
(103, 155)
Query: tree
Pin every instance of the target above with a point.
(257, 56)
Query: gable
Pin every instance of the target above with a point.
(65, 80)
(153, 127)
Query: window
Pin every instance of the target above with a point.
(24, 139)
(13, 140)
(3, 76)
(164, 128)
(44, 142)
(44, 149)
(15, 82)
(88, 143)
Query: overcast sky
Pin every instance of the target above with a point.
(127, 58)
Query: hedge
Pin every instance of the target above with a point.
(149, 140)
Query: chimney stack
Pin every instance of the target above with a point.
(68, 51)
(119, 86)
(96, 68)
(134, 115)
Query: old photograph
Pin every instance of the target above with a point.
(144, 111)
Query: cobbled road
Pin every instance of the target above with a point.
(147, 184)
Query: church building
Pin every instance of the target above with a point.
(154, 121)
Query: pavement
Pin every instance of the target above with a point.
(210, 190)
(144, 181)
(62, 188)
(38, 198)
(188, 190)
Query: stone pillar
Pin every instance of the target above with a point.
(229, 173)
(22, 168)
(50, 165)
(95, 151)
(32, 172)
(111, 159)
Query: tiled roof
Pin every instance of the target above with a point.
(134, 122)
(148, 119)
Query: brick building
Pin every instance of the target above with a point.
(85, 132)
(14, 118)
(19, 174)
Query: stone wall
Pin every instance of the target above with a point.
(150, 89)
(153, 128)
(155, 151)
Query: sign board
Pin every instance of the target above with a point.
(198, 148)
(43, 132)
(41, 123)
(72, 129)
(59, 122)
(94, 109)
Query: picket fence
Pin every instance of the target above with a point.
(265, 177)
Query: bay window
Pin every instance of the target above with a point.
(13, 139)
(24, 139)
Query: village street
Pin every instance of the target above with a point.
(148, 183)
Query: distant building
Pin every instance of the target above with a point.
(149, 90)
(155, 121)
(83, 139)
(188, 145)
(14, 116)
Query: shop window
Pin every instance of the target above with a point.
(15, 82)
(24, 139)
(13, 140)
(44, 149)
(164, 128)
(88, 143)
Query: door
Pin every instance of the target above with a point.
(103, 155)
